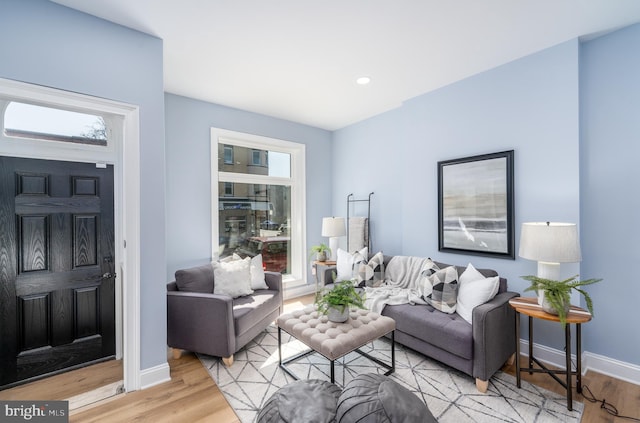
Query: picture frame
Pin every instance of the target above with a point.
(475, 205)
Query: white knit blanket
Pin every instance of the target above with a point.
(402, 284)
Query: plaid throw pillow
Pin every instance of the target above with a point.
(444, 294)
(372, 273)
(424, 283)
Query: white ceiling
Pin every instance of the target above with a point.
(298, 59)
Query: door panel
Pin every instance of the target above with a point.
(57, 310)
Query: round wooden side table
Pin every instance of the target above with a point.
(530, 308)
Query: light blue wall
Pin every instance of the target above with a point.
(47, 44)
(529, 105)
(188, 140)
(572, 115)
(610, 199)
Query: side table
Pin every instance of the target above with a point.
(529, 307)
(320, 269)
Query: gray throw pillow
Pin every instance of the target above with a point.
(195, 279)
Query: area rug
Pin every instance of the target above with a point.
(450, 395)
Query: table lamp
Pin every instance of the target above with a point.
(549, 243)
(333, 227)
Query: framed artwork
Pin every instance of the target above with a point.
(475, 205)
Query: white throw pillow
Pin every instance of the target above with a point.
(256, 268)
(474, 293)
(470, 274)
(347, 264)
(257, 273)
(232, 278)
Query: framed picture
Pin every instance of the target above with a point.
(475, 205)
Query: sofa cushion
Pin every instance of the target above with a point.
(195, 279)
(449, 332)
(444, 290)
(232, 278)
(251, 309)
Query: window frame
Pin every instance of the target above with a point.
(298, 276)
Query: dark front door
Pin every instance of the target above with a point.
(57, 294)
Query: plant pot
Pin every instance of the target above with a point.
(547, 307)
(338, 316)
(321, 256)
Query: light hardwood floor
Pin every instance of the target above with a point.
(192, 396)
(69, 384)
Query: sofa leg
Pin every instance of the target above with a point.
(482, 385)
(177, 353)
(228, 361)
(511, 359)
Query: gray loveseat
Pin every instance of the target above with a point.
(200, 321)
(478, 350)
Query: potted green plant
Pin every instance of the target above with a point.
(557, 294)
(320, 251)
(335, 302)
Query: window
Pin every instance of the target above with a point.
(255, 158)
(22, 120)
(228, 154)
(259, 201)
(228, 188)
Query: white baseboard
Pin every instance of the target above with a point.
(298, 291)
(154, 376)
(590, 361)
(611, 367)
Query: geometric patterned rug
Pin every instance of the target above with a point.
(451, 395)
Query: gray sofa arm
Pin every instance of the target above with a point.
(192, 315)
(493, 335)
(274, 282)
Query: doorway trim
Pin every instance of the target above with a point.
(125, 157)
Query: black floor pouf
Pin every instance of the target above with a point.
(308, 401)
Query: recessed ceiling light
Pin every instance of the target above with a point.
(363, 80)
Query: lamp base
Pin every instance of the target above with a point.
(333, 244)
(547, 270)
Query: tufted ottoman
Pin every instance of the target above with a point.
(335, 340)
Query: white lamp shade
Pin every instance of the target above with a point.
(333, 226)
(550, 242)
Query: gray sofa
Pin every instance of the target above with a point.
(200, 321)
(478, 350)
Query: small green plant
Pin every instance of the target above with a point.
(558, 293)
(342, 295)
(318, 250)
